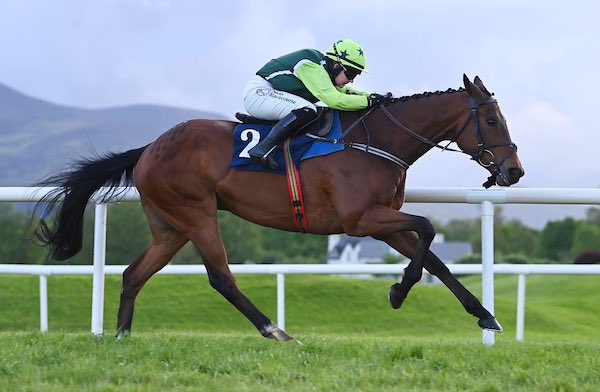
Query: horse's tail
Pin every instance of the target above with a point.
(74, 188)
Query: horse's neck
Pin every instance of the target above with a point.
(435, 118)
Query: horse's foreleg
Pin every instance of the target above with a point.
(414, 270)
(158, 254)
(406, 244)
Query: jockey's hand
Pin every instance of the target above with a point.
(378, 99)
(389, 97)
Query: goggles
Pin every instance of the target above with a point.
(351, 73)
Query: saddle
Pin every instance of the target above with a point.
(324, 120)
(302, 147)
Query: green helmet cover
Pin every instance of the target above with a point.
(348, 53)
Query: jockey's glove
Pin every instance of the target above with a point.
(378, 99)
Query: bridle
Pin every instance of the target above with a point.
(483, 149)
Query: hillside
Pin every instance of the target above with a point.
(37, 137)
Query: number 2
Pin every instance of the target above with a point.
(249, 134)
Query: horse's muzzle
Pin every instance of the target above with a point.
(510, 176)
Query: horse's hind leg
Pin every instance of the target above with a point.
(208, 242)
(406, 242)
(199, 223)
(166, 241)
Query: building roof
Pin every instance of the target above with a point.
(371, 248)
(345, 240)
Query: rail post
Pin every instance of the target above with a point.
(43, 303)
(98, 269)
(281, 301)
(487, 264)
(521, 308)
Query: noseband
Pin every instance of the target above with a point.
(483, 149)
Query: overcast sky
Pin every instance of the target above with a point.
(541, 58)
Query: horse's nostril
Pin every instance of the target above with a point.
(514, 173)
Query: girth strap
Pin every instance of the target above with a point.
(295, 189)
(380, 153)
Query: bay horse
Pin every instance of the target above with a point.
(184, 177)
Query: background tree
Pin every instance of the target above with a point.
(556, 240)
(593, 215)
(586, 238)
(16, 245)
(128, 235)
(288, 247)
(128, 232)
(514, 238)
(468, 230)
(242, 239)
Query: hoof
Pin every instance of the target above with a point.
(395, 296)
(273, 332)
(121, 334)
(490, 324)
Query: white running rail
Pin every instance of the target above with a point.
(487, 198)
(522, 270)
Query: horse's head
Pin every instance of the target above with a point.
(490, 144)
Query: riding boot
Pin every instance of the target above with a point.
(284, 128)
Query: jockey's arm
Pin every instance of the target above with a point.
(316, 79)
(351, 90)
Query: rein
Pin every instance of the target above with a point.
(482, 147)
(361, 146)
(482, 150)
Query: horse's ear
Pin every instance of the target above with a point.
(472, 89)
(466, 80)
(479, 84)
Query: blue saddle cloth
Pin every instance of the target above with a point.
(246, 136)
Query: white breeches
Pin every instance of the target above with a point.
(263, 101)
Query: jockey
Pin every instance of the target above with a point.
(287, 88)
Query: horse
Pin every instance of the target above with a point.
(184, 177)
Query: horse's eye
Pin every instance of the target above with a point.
(491, 121)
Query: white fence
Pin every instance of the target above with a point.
(486, 198)
(43, 271)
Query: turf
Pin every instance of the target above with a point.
(192, 361)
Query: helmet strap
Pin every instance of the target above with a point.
(330, 66)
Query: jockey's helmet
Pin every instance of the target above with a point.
(348, 53)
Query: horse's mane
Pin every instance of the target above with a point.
(428, 94)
